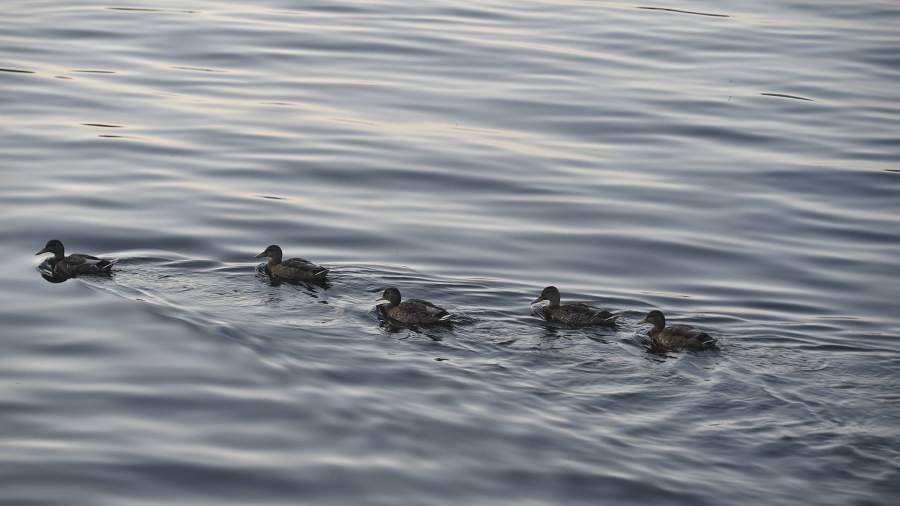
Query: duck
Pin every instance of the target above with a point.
(412, 311)
(676, 337)
(572, 314)
(76, 263)
(292, 269)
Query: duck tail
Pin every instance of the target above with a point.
(320, 273)
(106, 265)
(445, 317)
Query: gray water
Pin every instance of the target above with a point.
(739, 171)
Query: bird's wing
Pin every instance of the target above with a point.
(602, 315)
(693, 333)
(81, 263)
(301, 264)
(429, 308)
(578, 314)
(582, 314)
(82, 259)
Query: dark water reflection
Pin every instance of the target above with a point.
(468, 155)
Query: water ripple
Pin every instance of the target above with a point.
(733, 165)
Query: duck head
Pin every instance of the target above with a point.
(273, 252)
(390, 297)
(656, 318)
(551, 293)
(54, 246)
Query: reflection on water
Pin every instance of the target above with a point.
(783, 95)
(732, 164)
(679, 11)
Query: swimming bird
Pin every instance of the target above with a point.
(412, 311)
(676, 337)
(76, 263)
(572, 314)
(292, 269)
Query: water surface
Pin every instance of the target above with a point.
(736, 165)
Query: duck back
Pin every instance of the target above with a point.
(298, 269)
(684, 337)
(78, 263)
(417, 312)
(579, 314)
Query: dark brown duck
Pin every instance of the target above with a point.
(292, 269)
(75, 264)
(676, 337)
(572, 314)
(412, 311)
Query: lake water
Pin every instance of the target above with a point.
(737, 166)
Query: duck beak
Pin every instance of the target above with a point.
(381, 302)
(262, 255)
(41, 252)
(535, 301)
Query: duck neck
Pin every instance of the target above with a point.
(658, 327)
(274, 260)
(554, 301)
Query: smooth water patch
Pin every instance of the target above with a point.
(733, 165)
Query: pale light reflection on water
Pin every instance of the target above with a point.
(739, 172)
